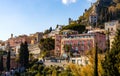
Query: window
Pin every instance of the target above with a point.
(89, 44)
(80, 36)
(95, 20)
(82, 42)
(73, 61)
(91, 36)
(76, 48)
(85, 36)
(111, 29)
(82, 48)
(78, 43)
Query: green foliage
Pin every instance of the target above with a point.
(3, 52)
(46, 45)
(48, 30)
(111, 64)
(67, 48)
(76, 27)
(48, 70)
(38, 74)
(106, 11)
(84, 19)
(24, 55)
(31, 63)
(40, 69)
(65, 73)
(34, 67)
(54, 73)
(76, 70)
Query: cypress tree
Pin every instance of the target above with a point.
(108, 40)
(96, 62)
(24, 54)
(8, 61)
(111, 64)
(21, 55)
(1, 63)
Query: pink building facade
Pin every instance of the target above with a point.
(79, 42)
(13, 62)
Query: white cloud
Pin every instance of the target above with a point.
(66, 2)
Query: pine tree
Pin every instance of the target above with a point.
(8, 61)
(111, 64)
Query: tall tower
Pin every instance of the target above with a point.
(11, 35)
(70, 20)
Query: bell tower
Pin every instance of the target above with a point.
(11, 35)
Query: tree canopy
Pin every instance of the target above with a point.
(75, 27)
(47, 44)
(111, 64)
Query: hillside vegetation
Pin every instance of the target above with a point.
(107, 10)
(75, 27)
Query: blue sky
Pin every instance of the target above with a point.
(30, 16)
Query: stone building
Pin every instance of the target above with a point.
(13, 62)
(93, 16)
(54, 32)
(80, 42)
(32, 40)
(58, 39)
(112, 27)
(35, 38)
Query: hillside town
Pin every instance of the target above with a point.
(70, 46)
